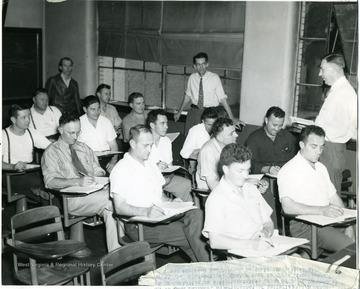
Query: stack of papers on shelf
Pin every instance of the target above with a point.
(170, 209)
(323, 220)
(300, 122)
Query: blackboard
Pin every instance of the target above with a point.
(22, 63)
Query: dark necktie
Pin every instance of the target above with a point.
(201, 95)
(76, 162)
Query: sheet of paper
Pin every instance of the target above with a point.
(248, 273)
(256, 176)
(281, 245)
(82, 190)
(323, 220)
(170, 209)
(107, 153)
(173, 135)
(171, 169)
(32, 166)
(102, 180)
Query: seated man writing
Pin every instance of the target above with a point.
(161, 155)
(136, 187)
(197, 136)
(97, 131)
(18, 143)
(68, 162)
(236, 215)
(43, 117)
(305, 188)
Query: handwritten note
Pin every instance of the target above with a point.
(262, 272)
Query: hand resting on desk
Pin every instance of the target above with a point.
(332, 211)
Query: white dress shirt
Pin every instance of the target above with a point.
(195, 139)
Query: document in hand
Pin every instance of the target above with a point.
(323, 220)
(171, 169)
(281, 245)
(101, 182)
(107, 153)
(170, 209)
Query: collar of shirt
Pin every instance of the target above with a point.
(338, 83)
(304, 162)
(204, 77)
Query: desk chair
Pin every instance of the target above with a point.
(75, 223)
(161, 249)
(199, 195)
(12, 177)
(126, 263)
(313, 251)
(38, 234)
(347, 190)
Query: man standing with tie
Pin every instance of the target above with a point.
(204, 89)
(68, 162)
(338, 116)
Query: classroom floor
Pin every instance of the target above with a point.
(97, 245)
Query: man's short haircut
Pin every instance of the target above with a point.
(135, 131)
(209, 112)
(65, 58)
(233, 153)
(38, 91)
(276, 111)
(101, 87)
(219, 125)
(133, 96)
(311, 129)
(15, 108)
(67, 118)
(153, 116)
(200, 55)
(89, 100)
(335, 58)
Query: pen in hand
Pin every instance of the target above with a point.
(158, 208)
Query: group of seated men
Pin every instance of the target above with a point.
(238, 212)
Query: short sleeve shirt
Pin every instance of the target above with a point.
(298, 181)
(234, 215)
(212, 88)
(97, 138)
(140, 185)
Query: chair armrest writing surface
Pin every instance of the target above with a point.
(157, 221)
(50, 250)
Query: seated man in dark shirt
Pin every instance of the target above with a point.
(271, 145)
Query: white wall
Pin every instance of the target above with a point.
(269, 59)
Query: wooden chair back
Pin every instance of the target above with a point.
(126, 263)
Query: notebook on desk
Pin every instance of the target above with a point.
(100, 183)
(172, 169)
(324, 220)
(281, 245)
(172, 211)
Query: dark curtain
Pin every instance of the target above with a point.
(172, 32)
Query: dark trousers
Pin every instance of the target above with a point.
(184, 233)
